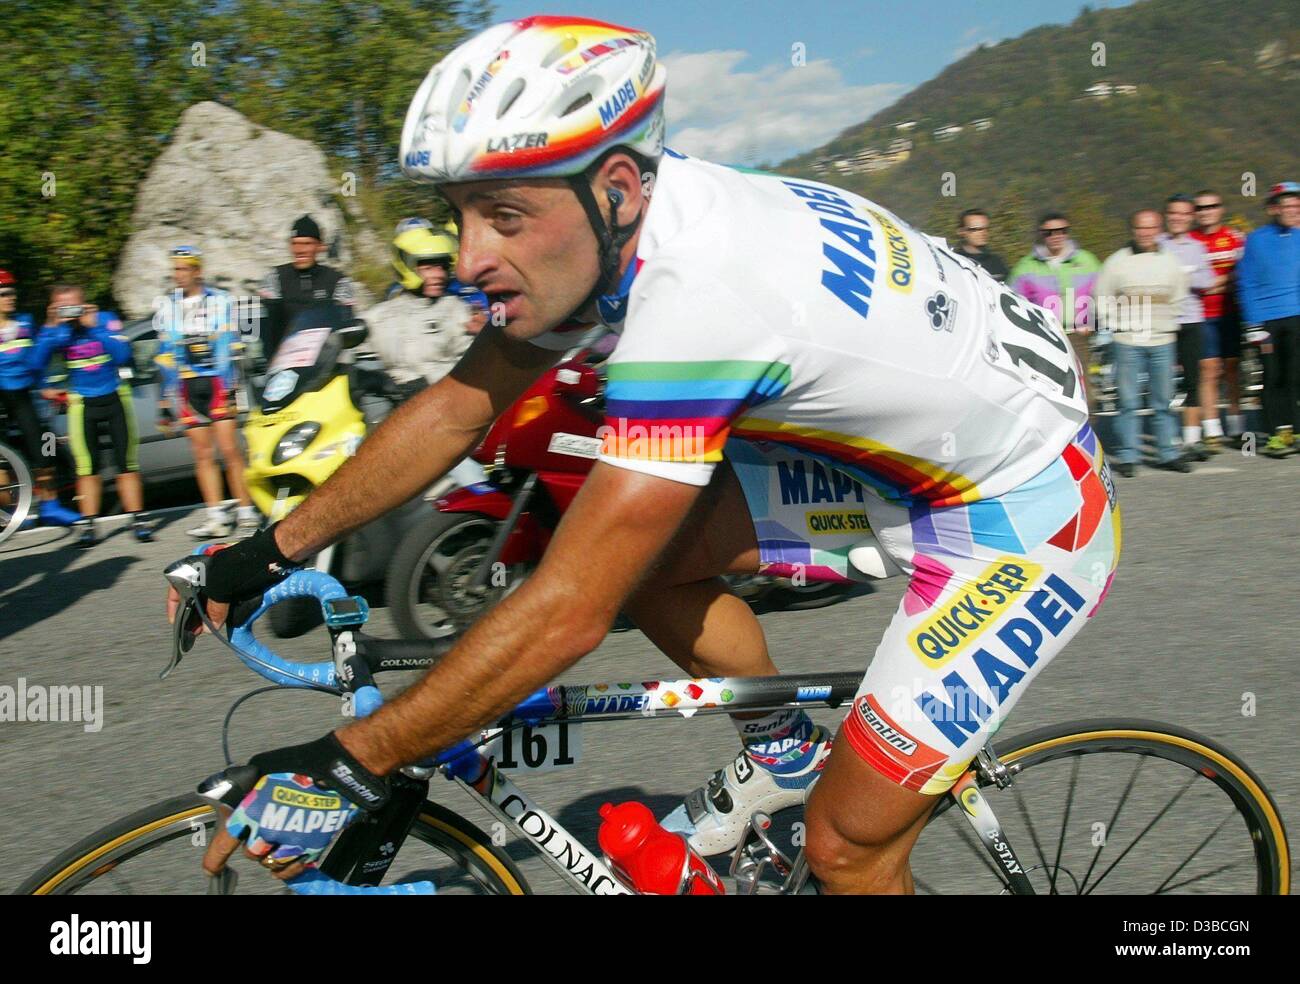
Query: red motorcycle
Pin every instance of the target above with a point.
(485, 538)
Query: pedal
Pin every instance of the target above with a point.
(755, 856)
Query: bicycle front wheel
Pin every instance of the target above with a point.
(1114, 806)
(157, 851)
(15, 492)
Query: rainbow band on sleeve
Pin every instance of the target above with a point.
(682, 411)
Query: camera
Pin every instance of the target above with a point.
(69, 311)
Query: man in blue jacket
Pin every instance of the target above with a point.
(92, 350)
(1268, 288)
(18, 376)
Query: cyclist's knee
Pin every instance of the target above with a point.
(871, 865)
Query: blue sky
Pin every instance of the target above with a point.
(733, 93)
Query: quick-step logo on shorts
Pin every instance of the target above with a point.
(963, 617)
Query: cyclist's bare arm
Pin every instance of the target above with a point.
(610, 537)
(422, 440)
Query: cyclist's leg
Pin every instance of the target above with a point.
(122, 433)
(227, 437)
(686, 609)
(205, 466)
(83, 436)
(998, 588)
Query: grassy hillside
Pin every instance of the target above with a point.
(1217, 86)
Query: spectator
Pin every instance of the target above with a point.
(92, 349)
(973, 227)
(1061, 276)
(1222, 318)
(1195, 261)
(420, 332)
(1138, 291)
(18, 376)
(199, 346)
(1268, 287)
(300, 285)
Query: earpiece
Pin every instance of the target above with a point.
(615, 197)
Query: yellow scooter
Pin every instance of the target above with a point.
(311, 415)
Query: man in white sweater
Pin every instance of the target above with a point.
(1138, 292)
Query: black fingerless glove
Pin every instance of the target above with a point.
(246, 569)
(329, 763)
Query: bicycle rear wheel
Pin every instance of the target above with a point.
(158, 849)
(1115, 806)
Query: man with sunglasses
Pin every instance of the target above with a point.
(1269, 290)
(1221, 337)
(973, 227)
(1060, 275)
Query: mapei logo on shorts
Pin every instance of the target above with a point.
(900, 253)
(963, 617)
(824, 523)
(302, 798)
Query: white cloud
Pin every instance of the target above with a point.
(720, 113)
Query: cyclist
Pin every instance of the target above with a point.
(420, 332)
(755, 422)
(199, 344)
(18, 375)
(93, 349)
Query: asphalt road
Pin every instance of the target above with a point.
(1201, 616)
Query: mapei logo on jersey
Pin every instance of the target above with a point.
(854, 271)
(900, 253)
(839, 521)
(942, 310)
(824, 485)
(955, 707)
(963, 617)
(613, 107)
(517, 141)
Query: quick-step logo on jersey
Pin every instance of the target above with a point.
(963, 617)
(854, 272)
(899, 250)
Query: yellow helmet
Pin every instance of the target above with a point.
(416, 243)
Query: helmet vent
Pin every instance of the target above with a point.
(562, 48)
(577, 104)
(515, 90)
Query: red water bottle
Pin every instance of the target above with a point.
(656, 861)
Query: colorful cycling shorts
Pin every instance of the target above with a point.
(205, 399)
(997, 588)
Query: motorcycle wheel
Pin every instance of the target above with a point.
(424, 587)
(788, 598)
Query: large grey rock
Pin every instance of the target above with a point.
(233, 188)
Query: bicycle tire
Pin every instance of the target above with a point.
(165, 821)
(1174, 744)
(11, 520)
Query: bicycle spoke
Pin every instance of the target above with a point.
(1033, 831)
(1114, 821)
(1145, 830)
(1065, 822)
(1161, 887)
(1208, 874)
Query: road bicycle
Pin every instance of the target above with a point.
(1108, 805)
(15, 492)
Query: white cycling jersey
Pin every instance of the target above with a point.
(770, 308)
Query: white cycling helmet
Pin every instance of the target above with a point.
(536, 97)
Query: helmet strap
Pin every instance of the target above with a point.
(610, 240)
